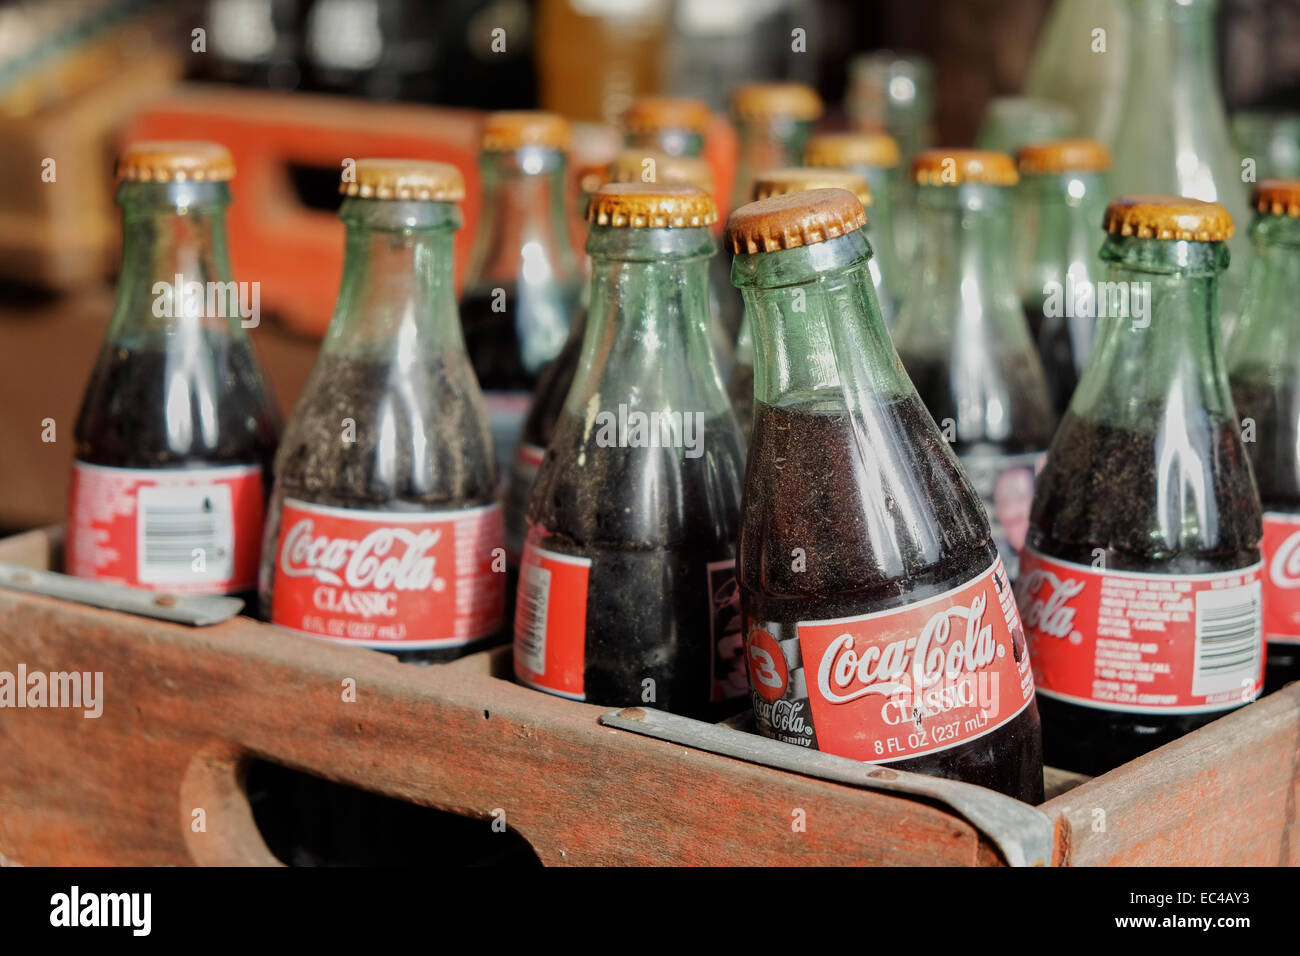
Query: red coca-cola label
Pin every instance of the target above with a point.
(1144, 643)
(415, 580)
(189, 530)
(1281, 552)
(551, 621)
(897, 683)
(530, 457)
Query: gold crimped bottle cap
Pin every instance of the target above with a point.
(507, 131)
(631, 166)
(651, 114)
(878, 150)
(953, 167)
(1277, 197)
(405, 179)
(176, 162)
(1063, 156)
(794, 220)
(796, 101)
(651, 206)
(1168, 217)
(793, 179)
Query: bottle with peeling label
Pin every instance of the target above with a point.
(875, 157)
(384, 530)
(521, 291)
(1264, 371)
(176, 430)
(880, 623)
(773, 122)
(631, 165)
(627, 592)
(1140, 580)
(778, 182)
(962, 335)
(1065, 190)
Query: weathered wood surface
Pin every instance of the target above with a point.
(184, 708)
(1223, 795)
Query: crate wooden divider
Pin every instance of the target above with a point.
(186, 708)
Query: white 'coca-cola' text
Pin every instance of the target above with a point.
(368, 563)
(1050, 614)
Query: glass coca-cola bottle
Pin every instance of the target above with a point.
(521, 291)
(962, 335)
(176, 430)
(773, 122)
(632, 165)
(627, 589)
(880, 623)
(875, 157)
(1140, 581)
(673, 125)
(1264, 371)
(384, 530)
(1064, 192)
(779, 182)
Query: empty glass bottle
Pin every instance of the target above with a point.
(176, 430)
(627, 589)
(1064, 190)
(673, 125)
(773, 122)
(1264, 369)
(879, 622)
(963, 339)
(522, 288)
(384, 529)
(1139, 583)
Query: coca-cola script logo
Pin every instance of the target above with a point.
(385, 559)
(1284, 569)
(1049, 612)
(768, 674)
(845, 673)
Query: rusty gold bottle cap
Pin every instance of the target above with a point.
(1063, 156)
(630, 167)
(793, 179)
(179, 162)
(405, 179)
(651, 114)
(797, 101)
(1277, 197)
(1168, 217)
(794, 220)
(507, 131)
(651, 206)
(953, 167)
(853, 149)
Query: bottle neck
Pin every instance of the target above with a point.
(175, 275)
(763, 145)
(523, 226)
(1172, 57)
(816, 326)
(646, 344)
(1157, 357)
(674, 142)
(963, 293)
(1267, 338)
(397, 288)
(1066, 209)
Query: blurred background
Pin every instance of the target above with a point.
(295, 86)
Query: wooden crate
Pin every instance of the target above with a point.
(187, 707)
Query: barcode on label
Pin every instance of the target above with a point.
(186, 535)
(1228, 639)
(530, 620)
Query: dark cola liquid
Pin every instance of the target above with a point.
(428, 403)
(806, 488)
(1274, 455)
(1056, 352)
(651, 520)
(133, 415)
(741, 392)
(945, 394)
(502, 344)
(1098, 491)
